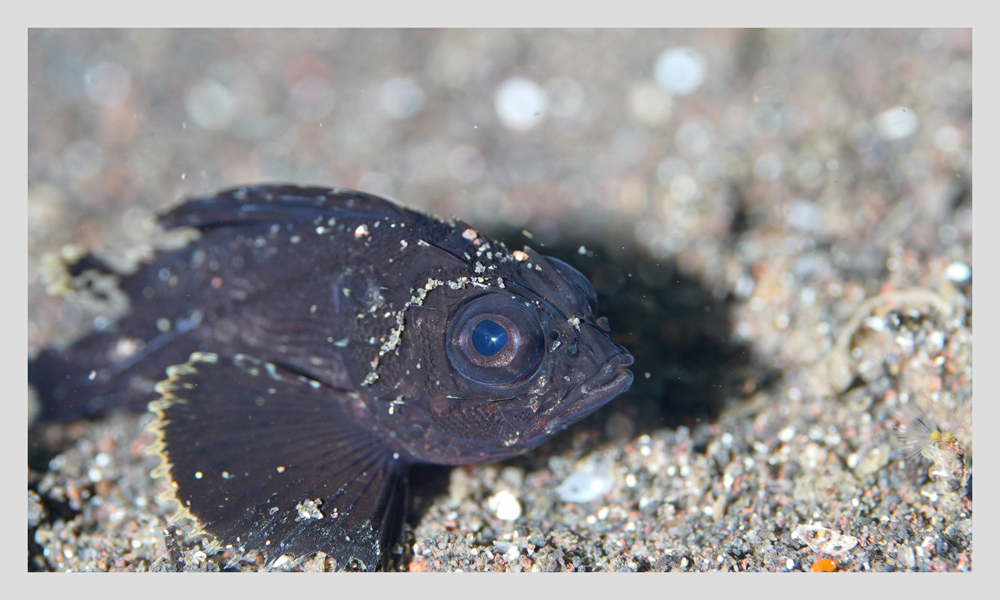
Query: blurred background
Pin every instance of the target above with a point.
(778, 222)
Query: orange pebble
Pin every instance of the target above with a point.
(417, 566)
(824, 566)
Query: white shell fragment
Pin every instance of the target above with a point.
(680, 70)
(823, 540)
(585, 485)
(520, 104)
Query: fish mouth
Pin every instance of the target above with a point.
(613, 380)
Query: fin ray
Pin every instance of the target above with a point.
(301, 471)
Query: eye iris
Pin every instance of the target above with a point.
(489, 337)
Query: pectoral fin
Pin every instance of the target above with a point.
(267, 461)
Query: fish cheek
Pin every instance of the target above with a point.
(423, 349)
(417, 398)
(415, 367)
(439, 417)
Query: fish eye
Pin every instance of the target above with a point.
(494, 339)
(489, 337)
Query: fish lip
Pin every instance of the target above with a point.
(618, 383)
(580, 403)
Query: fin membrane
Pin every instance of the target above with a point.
(267, 461)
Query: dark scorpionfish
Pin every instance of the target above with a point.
(318, 342)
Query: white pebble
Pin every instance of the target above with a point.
(520, 103)
(875, 323)
(505, 505)
(281, 561)
(958, 272)
(935, 341)
(680, 70)
(897, 123)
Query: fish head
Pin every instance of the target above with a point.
(501, 350)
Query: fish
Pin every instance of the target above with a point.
(310, 345)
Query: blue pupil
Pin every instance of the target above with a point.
(489, 337)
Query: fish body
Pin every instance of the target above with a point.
(312, 344)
